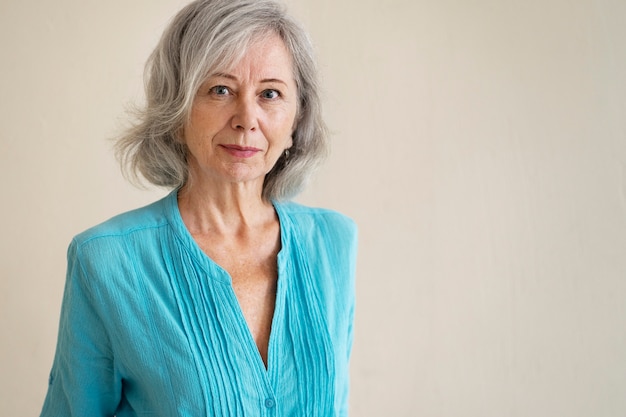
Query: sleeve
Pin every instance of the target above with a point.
(83, 380)
(351, 255)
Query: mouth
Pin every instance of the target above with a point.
(240, 151)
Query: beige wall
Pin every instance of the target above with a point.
(480, 145)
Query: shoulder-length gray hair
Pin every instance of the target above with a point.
(204, 37)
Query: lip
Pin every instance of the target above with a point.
(241, 151)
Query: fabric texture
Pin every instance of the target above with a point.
(151, 326)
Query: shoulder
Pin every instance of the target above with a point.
(327, 236)
(317, 220)
(121, 236)
(125, 224)
(118, 246)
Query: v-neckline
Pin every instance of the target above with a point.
(224, 278)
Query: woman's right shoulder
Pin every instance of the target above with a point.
(124, 226)
(110, 254)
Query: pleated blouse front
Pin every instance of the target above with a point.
(151, 326)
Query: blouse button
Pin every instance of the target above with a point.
(269, 403)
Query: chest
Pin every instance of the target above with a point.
(195, 331)
(254, 273)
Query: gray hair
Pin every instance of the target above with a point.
(204, 37)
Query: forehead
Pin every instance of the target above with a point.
(262, 56)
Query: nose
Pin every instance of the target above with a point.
(245, 116)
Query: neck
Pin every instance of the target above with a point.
(223, 210)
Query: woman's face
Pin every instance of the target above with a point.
(242, 119)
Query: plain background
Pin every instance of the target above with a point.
(480, 145)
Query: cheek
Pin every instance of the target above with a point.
(285, 134)
(290, 123)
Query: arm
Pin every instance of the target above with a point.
(351, 300)
(335, 261)
(83, 381)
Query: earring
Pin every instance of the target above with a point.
(286, 153)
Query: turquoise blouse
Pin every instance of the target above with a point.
(151, 326)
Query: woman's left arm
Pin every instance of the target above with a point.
(343, 236)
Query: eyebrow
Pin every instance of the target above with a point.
(232, 77)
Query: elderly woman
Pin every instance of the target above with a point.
(223, 298)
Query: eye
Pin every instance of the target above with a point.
(219, 90)
(270, 94)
